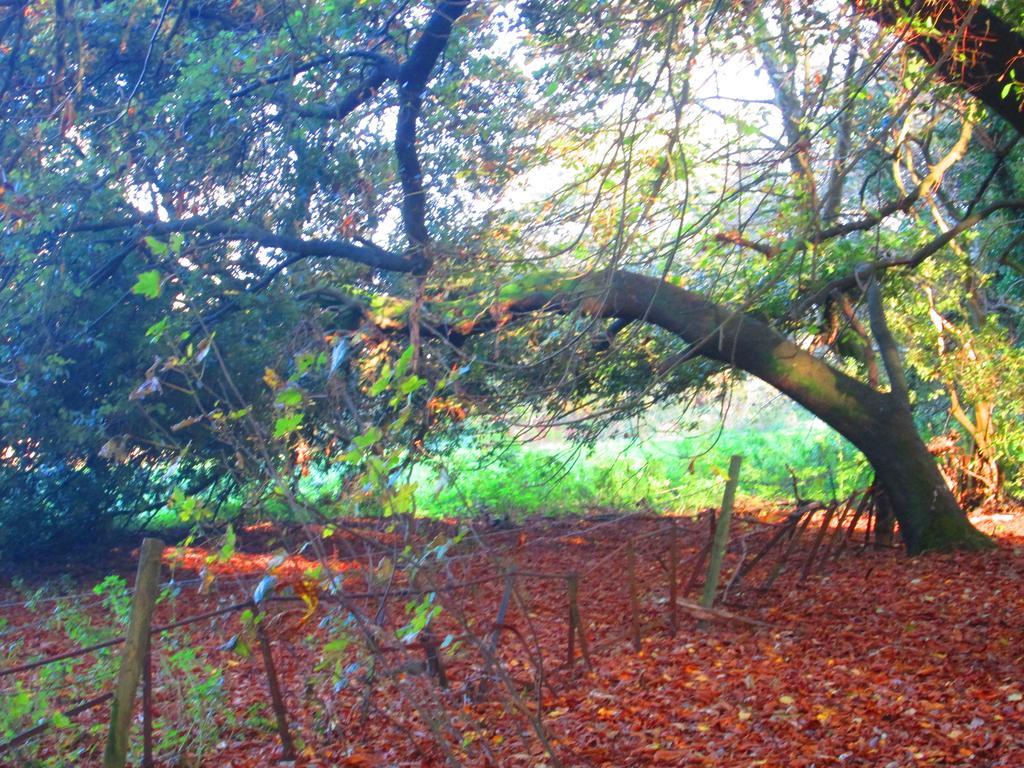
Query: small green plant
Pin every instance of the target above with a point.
(46, 693)
(258, 717)
(194, 725)
(116, 597)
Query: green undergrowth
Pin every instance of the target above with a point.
(660, 468)
(662, 473)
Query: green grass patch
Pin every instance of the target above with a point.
(661, 472)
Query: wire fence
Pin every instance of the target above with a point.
(837, 525)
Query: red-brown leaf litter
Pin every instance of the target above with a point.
(873, 659)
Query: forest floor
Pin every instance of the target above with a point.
(873, 659)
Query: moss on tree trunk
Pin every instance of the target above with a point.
(877, 423)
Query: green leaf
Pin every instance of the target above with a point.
(148, 284)
(287, 424)
(411, 384)
(403, 362)
(158, 248)
(156, 330)
(289, 397)
(227, 551)
(382, 382)
(338, 646)
(242, 649)
(371, 436)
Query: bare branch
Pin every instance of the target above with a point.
(848, 282)
(384, 69)
(361, 252)
(887, 344)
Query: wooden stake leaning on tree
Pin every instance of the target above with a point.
(819, 537)
(847, 536)
(794, 539)
(845, 513)
(136, 649)
(721, 540)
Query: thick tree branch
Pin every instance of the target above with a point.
(361, 253)
(716, 332)
(986, 47)
(412, 81)
(384, 69)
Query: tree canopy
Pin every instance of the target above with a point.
(240, 238)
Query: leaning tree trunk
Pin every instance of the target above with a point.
(926, 509)
(880, 424)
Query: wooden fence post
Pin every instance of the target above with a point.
(435, 666)
(570, 644)
(136, 648)
(490, 648)
(721, 540)
(506, 599)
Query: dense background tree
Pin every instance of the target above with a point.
(240, 239)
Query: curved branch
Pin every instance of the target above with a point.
(361, 253)
(848, 282)
(716, 332)
(384, 69)
(987, 48)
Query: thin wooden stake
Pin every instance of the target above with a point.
(276, 699)
(721, 540)
(673, 562)
(147, 708)
(806, 570)
(506, 599)
(570, 643)
(136, 647)
(844, 514)
(798, 531)
(490, 648)
(576, 622)
(783, 528)
(435, 666)
(872, 511)
(698, 566)
(634, 605)
(848, 535)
